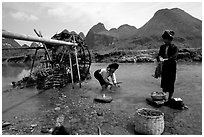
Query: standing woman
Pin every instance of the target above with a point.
(168, 55)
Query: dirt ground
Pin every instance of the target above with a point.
(32, 113)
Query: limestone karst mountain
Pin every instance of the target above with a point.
(188, 32)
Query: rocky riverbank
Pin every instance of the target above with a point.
(78, 114)
(143, 56)
(81, 116)
(139, 56)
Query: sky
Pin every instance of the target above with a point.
(54, 17)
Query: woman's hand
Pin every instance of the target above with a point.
(162, 59)
(109, 83)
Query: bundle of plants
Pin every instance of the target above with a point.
(149, 112)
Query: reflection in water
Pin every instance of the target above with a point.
(13, 72)
(24, 73)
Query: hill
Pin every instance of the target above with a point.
(188, 33)
(10, 43)
(99, 36)
(188, 30)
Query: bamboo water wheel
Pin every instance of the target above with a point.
(65, 64)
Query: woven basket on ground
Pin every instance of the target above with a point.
(149, 121)
(158, 95)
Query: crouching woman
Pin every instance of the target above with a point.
(103, 74)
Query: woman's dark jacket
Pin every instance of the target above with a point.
(168, 76)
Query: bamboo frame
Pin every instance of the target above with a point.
(46, 50)
(10, 35)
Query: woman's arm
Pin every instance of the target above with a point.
(108, 82)
(159, 55)
(113, 77)
(105, 76)
(174, 55)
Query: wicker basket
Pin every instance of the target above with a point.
(158, 95)
(149, 121)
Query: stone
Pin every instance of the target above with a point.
(60, 131)
(34, 125)
(74, 120)
(57, 108)
(6, 133)
(51, 130)
(58, 105)
(60, 119)
(44, 130)
(14, 129)
(99, 113)
(5, 124)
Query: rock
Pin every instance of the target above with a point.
(34, 125)
(145, 59)
(127, 59)
(60, 131)
(50, 130)
(58, 105)
(27, 130)
(184, 55)
(14, 129)
(74, 120)
(44, 130)
(120, 131)
(60, 120)
(6, 133)
(64, 96)
(57, 108)
(84, 96)
(60, 98)
(198, 58)
(5, 124)
(15, 117)
(99, 113)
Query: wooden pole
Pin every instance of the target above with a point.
(10, 35)
(33, 62)
(70, 63)
(77, 64)
(46, 50)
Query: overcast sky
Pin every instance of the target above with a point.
(52, 17)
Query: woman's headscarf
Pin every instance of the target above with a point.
(168, 34)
